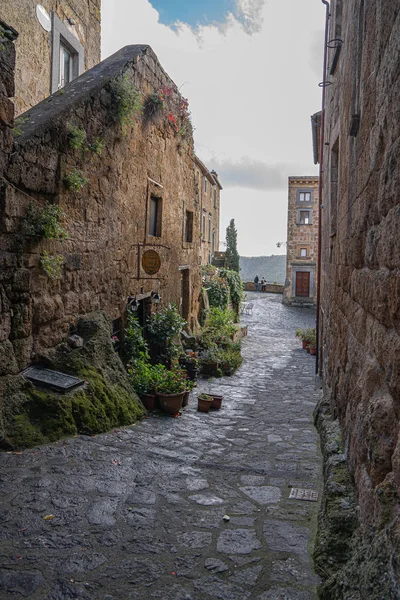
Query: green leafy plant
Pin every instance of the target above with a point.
(128, 101)
(18, 125)
(220, 326)
(44, 222)
(164, 328)
(207, 397)
(76, 136)
(235, 285)
(52, 265)
(230, 360)
(218, 292)
(97, 146)
(75, 180)
(146, 378)
(174, 381)
(135, 347)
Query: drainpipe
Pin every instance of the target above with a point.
(321, 159)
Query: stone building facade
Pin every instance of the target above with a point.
(126, 191)
(359, 321)
(302, 242)
(208, 190)
(58, 40)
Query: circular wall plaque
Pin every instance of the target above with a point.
(151, 262)
(43, 17)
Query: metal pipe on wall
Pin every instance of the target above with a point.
(320, 187)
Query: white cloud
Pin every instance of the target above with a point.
(251, 96)
(249, 12)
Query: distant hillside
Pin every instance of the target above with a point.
(273, 268)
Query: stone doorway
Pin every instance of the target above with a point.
(303, 284)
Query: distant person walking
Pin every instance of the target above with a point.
(257, 283)
(263, 284)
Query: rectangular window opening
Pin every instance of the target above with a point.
(305, 197)
(203, 228)
(305, 217)
(155, 216)
(188, 237)
(303, 252)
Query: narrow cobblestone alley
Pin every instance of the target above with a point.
(138, 512)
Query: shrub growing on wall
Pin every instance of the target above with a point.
(44, 222)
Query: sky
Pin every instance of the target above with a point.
(250, 69)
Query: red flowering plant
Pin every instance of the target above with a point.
(173, 119)
(157, 100)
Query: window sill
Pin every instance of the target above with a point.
(187, 245)
(305, 224)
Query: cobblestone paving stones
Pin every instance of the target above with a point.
(138, 512)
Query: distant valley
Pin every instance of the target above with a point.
(273, 268)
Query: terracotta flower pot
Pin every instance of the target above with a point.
(171, 403)
(308, 349)
(204, 405)
(304, 344)
(185, 400)
(148, 401)
(312, 350)
(217, 401)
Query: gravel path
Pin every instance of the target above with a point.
(138, 512)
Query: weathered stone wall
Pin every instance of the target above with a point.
(7, 90)
(302, 240)
(34, 44)
(360, 296)
(106, 219)
(209, 197)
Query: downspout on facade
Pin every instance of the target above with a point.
(320, 187)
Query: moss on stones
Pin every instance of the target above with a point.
(354, 564)
(31, 416)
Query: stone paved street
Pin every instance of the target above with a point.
(138, 512)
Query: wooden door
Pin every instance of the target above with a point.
(303, 284)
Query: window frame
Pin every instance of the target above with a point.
(203, 226)
(61, 36)
(188, 227)
(301, 210)
(300, 191)
(158, 217)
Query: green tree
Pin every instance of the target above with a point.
(231, 253)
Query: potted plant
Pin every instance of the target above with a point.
(312, 342)
(170, 391)
(209, 361)
(204, 402)
(145, 379)
(190, 362)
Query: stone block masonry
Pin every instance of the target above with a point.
(36, 45)
(77, 151)
(360, 294)
(302, 242)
